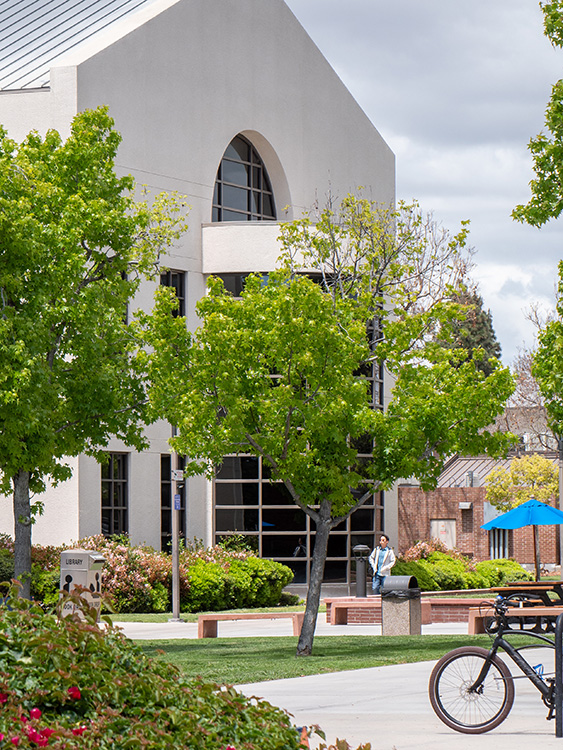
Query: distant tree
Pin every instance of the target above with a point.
(532, 476)
(281, 373)
(528, 477)
(73, 248)
(473, 332)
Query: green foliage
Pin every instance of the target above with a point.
(531, 476)
(92, 688)
(500, 572)
(286, 366)
(420, 569)
(473, 335)
(138, 578)
(75, 246)
(440, 569)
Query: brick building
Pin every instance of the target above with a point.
(456, 510)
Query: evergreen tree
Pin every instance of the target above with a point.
(474, 331)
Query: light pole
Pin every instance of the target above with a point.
(177, 475)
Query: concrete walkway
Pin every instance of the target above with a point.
(387, 706)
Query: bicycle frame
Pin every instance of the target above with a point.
(545, 688)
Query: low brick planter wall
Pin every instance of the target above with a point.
(434, 609)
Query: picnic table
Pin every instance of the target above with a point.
(533, 593)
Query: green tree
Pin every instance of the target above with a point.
(547, 149)
(473, 332)
(528, 477)
(73, 248)
(281, 372)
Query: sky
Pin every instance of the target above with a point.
(457, 88)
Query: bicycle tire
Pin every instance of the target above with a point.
(477, 712)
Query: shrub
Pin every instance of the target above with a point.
(499, 572)
(420, 569)
(438, 568)
(67, 683)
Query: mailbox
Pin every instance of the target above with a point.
(82, 567)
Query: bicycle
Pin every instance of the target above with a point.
(472, 690)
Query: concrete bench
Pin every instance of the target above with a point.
(477, 615)
(207, 624)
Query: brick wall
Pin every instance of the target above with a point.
(418, 508)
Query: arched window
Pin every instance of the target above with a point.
(242, 188)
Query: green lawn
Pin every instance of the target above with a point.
(241, 660)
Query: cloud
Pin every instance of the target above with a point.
(457, 90)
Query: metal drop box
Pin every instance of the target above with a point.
(401, 611)
(81, 567)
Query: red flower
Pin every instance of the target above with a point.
(15, 740)
(47, 732)
(3, 697)
(35, 713)
(74, 693)
(79, 730)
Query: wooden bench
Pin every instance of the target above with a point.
(207, 624)
(477, 615)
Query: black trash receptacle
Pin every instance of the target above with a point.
(401, 612)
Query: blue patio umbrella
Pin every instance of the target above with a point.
(531, 513)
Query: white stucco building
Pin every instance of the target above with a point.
(230, 103)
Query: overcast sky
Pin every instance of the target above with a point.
(457, 88)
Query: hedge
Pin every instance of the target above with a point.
(139, 578)
(439, 569)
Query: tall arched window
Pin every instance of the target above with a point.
(242, 188)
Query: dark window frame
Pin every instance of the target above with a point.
(114, 492)
(176, 280)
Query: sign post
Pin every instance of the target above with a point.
(177, 476)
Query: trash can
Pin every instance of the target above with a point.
(401, 612)
(82, 567)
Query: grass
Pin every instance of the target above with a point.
(241, 660)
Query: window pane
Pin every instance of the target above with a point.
(233, 215)
(337, 546)
(238, 467)
(276, 494)
(299, 570)
(362, 520)
(235, 198)
(238, 148)
(268, 206)
(281, 545)
(335, 571)
(236, 494)
(237, 520)
(234, 172)
(274, 519)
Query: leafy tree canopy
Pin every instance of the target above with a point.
(547, 148)
(528, 477)
(74, 245)
(284, 371)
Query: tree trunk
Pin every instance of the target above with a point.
(305, 644)
(22, 529)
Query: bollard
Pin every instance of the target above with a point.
(361, 552)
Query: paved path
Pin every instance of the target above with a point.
(387, 706)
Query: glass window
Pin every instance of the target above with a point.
(114, 493)
(176, 280)
(242, 187)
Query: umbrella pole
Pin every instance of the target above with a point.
(536, 553)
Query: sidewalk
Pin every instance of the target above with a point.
(387, 706)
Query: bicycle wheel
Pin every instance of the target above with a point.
(470, 712)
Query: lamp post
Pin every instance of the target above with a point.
(361, 552)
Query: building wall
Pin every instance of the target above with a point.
(417, 509)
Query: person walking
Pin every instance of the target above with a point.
(381, 560)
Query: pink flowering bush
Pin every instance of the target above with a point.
(139, 578)
(67, 683)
